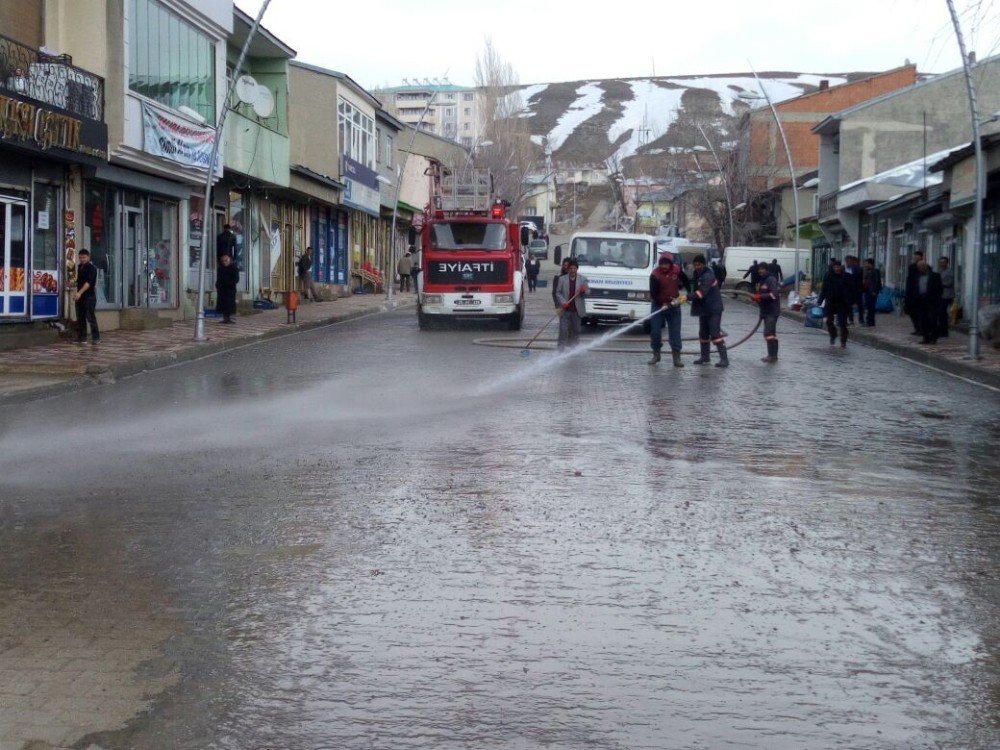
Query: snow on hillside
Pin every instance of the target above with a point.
(653, 107)
(589, 102)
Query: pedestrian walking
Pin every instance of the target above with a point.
(404, 266)
(768, 296)
(910, 293)
(947, 274)
(533, 267)
(415, 270)
(227, 277)
(871, 285)
(852, 270)
(85, 299)
(570, 292)
(835, 298)
(225, 243)
(563, 270)
(706, 305)
(774, 267)
(928, 301)
(752, 275)
(665, 285)
(305, 265)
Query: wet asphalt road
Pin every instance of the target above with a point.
(348, 539)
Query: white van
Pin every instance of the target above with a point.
(617, 267)
(738, 260)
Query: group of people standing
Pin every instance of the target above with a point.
(848, 285)
(928, 297)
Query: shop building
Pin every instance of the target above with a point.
(51, 129)
(338, 162)
(254, 196)
(163, 62)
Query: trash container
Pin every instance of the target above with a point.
(291, 305)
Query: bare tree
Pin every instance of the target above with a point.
(503, 144)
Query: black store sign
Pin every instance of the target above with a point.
(467, 272)
(41, 128)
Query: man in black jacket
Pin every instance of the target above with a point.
(837, 294)
(927, 301)
(910, 293)
(706, 305)
(85, 298)
(871, 285)
(751, 274)
(768, 296)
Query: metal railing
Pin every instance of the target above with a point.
(53, 80)
(827, 205)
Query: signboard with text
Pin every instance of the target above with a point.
(360, 187)
(176, 139)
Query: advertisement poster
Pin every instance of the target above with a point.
(44, 282)
(175, 139)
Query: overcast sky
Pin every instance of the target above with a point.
(380, 42)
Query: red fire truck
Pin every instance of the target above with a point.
(471, 259)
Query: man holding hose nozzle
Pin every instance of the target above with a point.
(706, 305)
(768, 296)
(665, 285)
(570, 291)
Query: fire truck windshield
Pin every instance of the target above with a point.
(468, 235)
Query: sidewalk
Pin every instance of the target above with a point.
(892, 334)
(40, 371)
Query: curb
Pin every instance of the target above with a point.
(923, 357)
(83, 376)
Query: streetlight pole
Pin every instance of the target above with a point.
(725, 182)
(791, 170)
(207, 211)
(972, 293)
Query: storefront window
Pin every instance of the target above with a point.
(162, 251)
(170, 61)
(100, 237)
(45, 240)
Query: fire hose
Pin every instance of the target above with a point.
(518, 343)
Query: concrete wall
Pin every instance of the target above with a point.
(891, 132)
(312, 121)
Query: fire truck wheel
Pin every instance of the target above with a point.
(423, 321)
(516, 319)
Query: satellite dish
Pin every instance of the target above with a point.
(263, 104)
(246, 89)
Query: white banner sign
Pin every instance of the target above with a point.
(176, 139)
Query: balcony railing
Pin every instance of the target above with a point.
(828, 205)
(53, 80)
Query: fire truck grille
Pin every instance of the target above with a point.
(467, 272)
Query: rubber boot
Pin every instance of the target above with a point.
(706, 349)
(843, 337)
(723, 355)
(772, 351)
(656, 357)
(677, 358)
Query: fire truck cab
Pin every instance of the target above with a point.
(472, 261)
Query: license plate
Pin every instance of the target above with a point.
(468, 302)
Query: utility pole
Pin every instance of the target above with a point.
(208, 211)
(972, 292)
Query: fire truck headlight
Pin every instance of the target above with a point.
(503, 299)
(432, 299)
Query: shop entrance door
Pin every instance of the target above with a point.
(13, 257)
(136, 259)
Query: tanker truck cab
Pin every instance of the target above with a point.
(617, 268)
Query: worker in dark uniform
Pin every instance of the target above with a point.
(563, 270)
(768, 296)
(665, 285)
(838, 295)
(706, 305)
